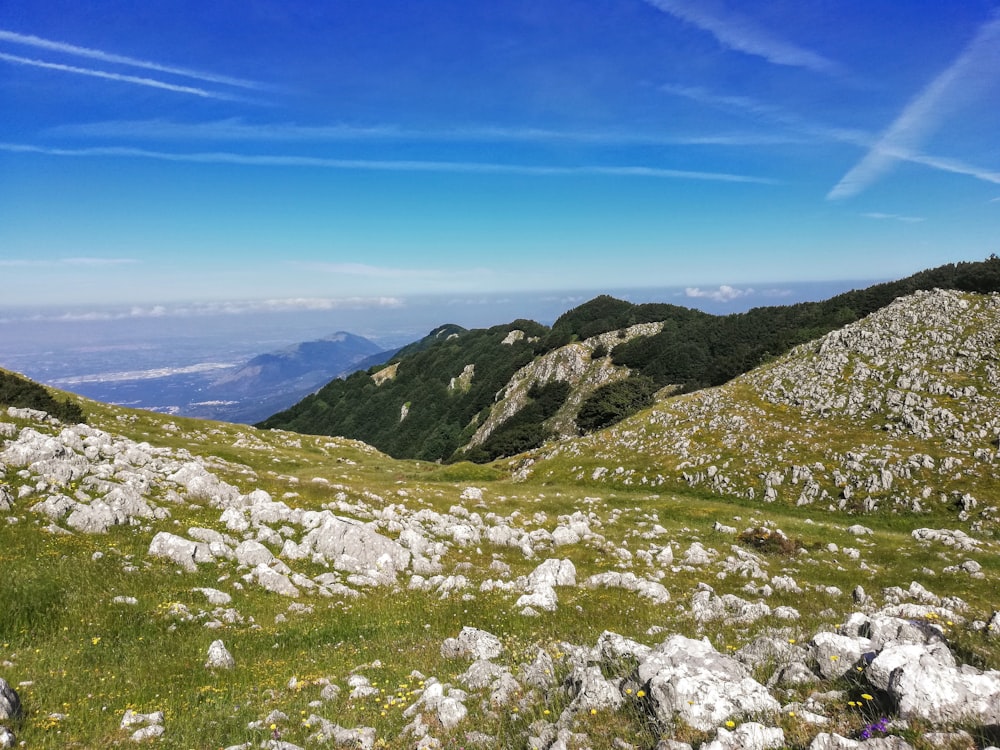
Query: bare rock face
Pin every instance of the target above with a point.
(571, 364)
(748, 736)
(472, 643)
(928, 685)
(273, 581)
(355, 547)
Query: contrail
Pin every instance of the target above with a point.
(976, 65)
(151, 82)
(388, 165)
(109, 57)
(737, 32)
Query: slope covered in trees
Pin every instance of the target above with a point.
(428, 402)
(21, 392)
(697, 352)
(424, 405)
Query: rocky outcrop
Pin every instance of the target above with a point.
(898, 411)
(573, 364)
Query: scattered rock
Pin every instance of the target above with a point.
(472, 643)
(219, 657)
(10, 702)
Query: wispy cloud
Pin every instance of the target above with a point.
(34, 263)
(977, 66)
(238, 129)
(390, 165)
(820, 131)
(771, 113)
(150, 82)
(208, 309)
(110, 57)
(742, 34)
(892, 217)
(724, 293)
(386, 272)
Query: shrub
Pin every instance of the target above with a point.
(24, 393)
(613, 402)
(769, 541)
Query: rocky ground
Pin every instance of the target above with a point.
(527, 614)
(898, 411)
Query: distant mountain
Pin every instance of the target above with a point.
(275, 380)
(238, 390)
(482, 394)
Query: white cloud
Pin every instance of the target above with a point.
(382, 272)
(977, 66)
(389, 165)
(893, 217)
(150, 82)
(206, 309)
(308, 303)
(724, 293)
(109, 57)
(776, 292)
(741, 33)
(99, 261)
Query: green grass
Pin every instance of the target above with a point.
(91, 659)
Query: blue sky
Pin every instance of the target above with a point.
(302, 153)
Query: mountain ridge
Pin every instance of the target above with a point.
(418, 416)
(859, 419)
(281, 377)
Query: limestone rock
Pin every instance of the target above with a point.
(748, 736)
(690, 680)
(10, 702)
(219, 657)
(179, 550)
(472, 643)
(929, 686)
(273, 581)
(251, 553)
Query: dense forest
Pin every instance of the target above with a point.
(428, 410)
(21, 392)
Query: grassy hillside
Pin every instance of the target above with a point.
(95, 625)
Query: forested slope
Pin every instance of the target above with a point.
(16, 390)
(430, 399)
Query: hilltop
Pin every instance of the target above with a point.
(805, 556)
(483, 394)
(899, 411)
